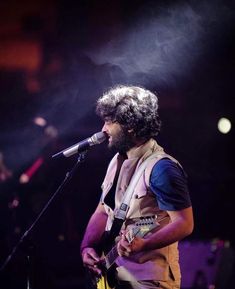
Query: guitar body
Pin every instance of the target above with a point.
(108, 279)
(103, 283)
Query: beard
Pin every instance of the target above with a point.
(121, 142)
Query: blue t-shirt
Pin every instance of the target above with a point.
(168, 182)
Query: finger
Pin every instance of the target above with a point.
(126, 254)
(123, 251)
(97, 269)
(94, 269)
(119, 249)
(90, 254)
(88, 260)
(124, 245)
(94, 256)
(123, 235)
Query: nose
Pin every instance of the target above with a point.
(104, 128)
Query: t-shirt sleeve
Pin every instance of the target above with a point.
(168, 182)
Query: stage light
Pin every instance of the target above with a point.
(26, 176)
(224, 125)
(24, 179)
(40, 121)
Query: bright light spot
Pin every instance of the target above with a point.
(40, 121)
(224, 125)
(14, 204)
(24, 179)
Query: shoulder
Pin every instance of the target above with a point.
(168, 182)
(159, 164)
(168, 174)
(167, 166)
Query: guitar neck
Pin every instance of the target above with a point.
(111, 257)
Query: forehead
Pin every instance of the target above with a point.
(113, 124)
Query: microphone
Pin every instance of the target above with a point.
(83, 145)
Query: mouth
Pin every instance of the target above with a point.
(107, 136)
(109, 139)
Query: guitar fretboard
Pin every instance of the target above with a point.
(111, 257)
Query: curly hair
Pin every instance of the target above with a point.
(133, 108)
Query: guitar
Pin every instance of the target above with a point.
(138, 229)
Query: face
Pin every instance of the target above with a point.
(118, 139)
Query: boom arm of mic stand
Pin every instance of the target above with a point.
(68, 177)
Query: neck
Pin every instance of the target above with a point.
(138, 145)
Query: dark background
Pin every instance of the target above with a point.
(56, 59)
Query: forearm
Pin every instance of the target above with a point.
(95, 228)
(181, 226)
(172, 233)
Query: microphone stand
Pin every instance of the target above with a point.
(30, 248)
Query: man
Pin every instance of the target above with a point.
(131, 122)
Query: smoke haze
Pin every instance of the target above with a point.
(165, 43)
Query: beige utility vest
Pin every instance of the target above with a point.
(158, 264)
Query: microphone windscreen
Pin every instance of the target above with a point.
(99, 137)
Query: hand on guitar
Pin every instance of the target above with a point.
(129, 244)
(91, 260)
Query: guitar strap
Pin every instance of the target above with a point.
(121, 212)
